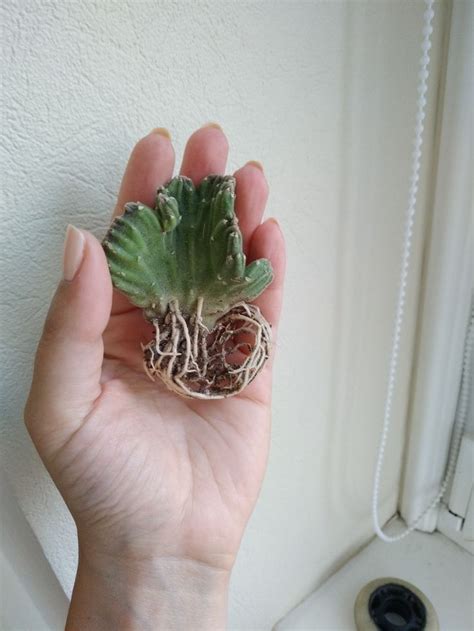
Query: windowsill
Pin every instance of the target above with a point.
(433, 563)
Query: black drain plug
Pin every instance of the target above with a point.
(392, 604)
(394, 607)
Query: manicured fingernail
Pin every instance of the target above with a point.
(161, 131)
(73, 252)
(256, 164)
(215, 125)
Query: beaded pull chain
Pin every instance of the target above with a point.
(400, 309)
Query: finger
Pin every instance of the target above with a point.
(251, 194)
(125, 335)
(66, 379)
(150, 165)
(205, 153)
(267, 242)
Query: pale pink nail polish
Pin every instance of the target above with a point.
(74, 243)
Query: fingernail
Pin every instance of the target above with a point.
(215, 125)
(256, 164)
(161, 131)
(274, 221)
(74, 243)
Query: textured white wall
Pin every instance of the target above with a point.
(323, 94)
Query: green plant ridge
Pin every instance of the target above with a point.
(189, 246)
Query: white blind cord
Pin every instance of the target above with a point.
(407, 247)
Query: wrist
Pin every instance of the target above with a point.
(152, 593)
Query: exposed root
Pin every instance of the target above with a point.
(203, 364)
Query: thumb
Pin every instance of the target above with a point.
(66, 379)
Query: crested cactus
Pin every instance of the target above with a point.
(182, 262)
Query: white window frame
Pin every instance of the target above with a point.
(447, 283)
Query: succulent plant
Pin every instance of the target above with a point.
(182, 262)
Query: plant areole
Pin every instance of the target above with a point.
(182, 263)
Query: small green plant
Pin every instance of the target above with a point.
(182, 262)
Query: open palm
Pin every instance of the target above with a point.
(140, 468)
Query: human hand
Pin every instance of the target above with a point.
(160, 487)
